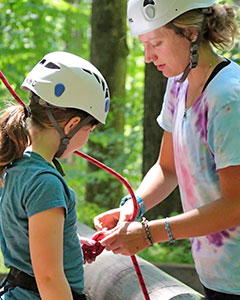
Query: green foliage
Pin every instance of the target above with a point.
(76, 177)
(133, 135)
(87, 211)
(179, 252)
(28, 30)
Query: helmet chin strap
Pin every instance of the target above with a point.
(195, 46)
(193, 60)
(65, 138)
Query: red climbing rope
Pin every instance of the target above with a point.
(15, 95)
(97, 248)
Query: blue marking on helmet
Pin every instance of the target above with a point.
(107, 105)
(59, 89)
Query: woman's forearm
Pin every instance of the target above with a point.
(129, 238)
(156, 186)
(214, 217)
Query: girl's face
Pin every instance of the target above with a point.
(79, 140)
(169, 51)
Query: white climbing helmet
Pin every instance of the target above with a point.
(147, 15)
(66, 80)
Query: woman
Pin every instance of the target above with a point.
(38, 231)
(200, 146)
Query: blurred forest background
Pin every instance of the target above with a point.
(129, 143)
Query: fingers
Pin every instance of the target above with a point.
(126, 212)
(112, 244)
(107, 219)
(100, 220)
(98, 224)
(89, 260)
(125, 239)
(110, 237)
(113, 240)
(87, 241)
(123, 218)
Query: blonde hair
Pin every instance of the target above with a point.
(221, 29)
(14, 133)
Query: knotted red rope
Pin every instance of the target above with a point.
(93, 251)
(97, 248)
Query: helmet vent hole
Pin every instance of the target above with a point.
(42, 61)
(107, 94)
(51, 65)
(103, 85)
(147, 2)
(97, 78)
(87, 71)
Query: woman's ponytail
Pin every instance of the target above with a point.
(14, 136)
(223, 26)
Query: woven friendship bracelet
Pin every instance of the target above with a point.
(167, 227)
(144, 223)
(140, 202)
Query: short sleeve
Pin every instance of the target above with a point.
(224, 135)
(45, 193)
(165, 119)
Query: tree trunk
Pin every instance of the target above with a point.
(155, 85)
(108, 53)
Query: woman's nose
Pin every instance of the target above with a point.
(150, 56)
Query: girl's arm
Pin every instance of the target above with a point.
(46, 249)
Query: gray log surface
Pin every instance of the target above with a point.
(113, 277)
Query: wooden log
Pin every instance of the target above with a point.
(113, 277)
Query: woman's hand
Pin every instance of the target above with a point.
(113, 217)
(126, 239)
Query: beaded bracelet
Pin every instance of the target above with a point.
(140, 202)
(144, 223)
(171, 239)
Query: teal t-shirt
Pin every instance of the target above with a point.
(33, 185)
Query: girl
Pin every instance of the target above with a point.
(39, 241)
(200, 147)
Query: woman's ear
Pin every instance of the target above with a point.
(71, 124)
(193, 35)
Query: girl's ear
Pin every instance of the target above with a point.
(70, 125)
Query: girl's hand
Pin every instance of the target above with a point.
(88, 242)
(126, 239)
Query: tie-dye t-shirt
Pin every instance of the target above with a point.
(207, 138)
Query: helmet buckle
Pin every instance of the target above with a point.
(65, 141)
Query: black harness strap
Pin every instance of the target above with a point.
(18, 278)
